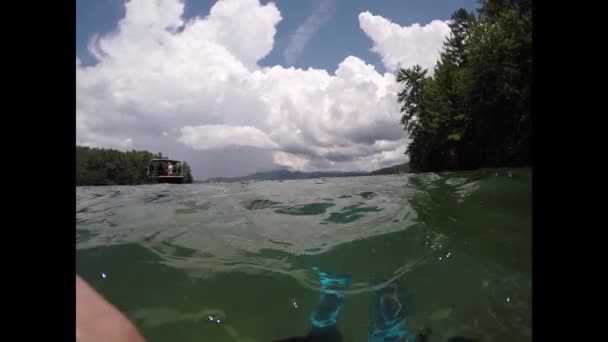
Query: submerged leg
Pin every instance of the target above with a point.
(389, 315)
(333, 297)
(323, 317)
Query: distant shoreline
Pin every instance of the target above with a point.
(100, 166)
(393, 170)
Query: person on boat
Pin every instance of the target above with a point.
(159, 170)
(170, 170)
(178, 167)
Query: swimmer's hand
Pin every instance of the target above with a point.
(99, 321)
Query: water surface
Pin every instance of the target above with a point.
(173, 255)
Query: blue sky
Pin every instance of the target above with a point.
(339, 37)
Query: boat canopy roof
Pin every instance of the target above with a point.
(164, 161)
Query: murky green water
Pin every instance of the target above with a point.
(173, 255)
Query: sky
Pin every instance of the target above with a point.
(240, 86)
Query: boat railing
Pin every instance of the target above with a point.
(151, 172)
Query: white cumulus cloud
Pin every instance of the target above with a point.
(207, 137)
(404, 46)
(200, 80)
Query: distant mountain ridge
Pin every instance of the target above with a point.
(283, 174)
(391, 170)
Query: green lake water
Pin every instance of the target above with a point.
(171, 256)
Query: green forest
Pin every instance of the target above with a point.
(100, 166)
(473, 109)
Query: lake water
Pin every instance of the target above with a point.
(176, 259)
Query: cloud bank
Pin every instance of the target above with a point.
(194, 90)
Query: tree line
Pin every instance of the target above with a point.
(100, 166)
(473, 111)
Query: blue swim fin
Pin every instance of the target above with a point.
(333, 297)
